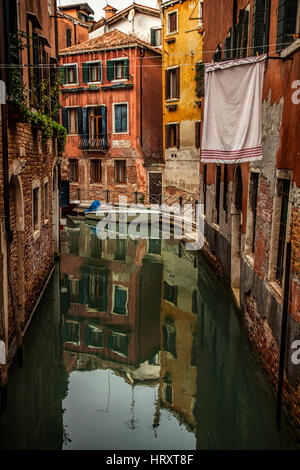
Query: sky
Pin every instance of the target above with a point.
(98, 5)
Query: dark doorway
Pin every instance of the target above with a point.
(155, 188)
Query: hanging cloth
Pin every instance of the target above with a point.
(232, 111)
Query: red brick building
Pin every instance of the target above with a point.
(74, 23)
(111, 107)
(252, 210)
(29, 211)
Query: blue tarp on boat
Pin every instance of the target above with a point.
(94, 206)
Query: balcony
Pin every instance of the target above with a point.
(94, 143)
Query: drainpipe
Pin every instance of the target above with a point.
(56, 28)
(141, 96)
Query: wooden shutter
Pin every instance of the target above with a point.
(167, 136)
(177, 71)
(104, 122)
(85, 73)
(178, 136)
(79, 121)
(100, 71)
(85, 121)
(126, 69)
(286, 22)
(65, 118)
(167, 85)
(153, 37)
(62, 75)
(110, 70)
(197, 134)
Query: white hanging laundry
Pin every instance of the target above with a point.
(232, 111)
(2, 352)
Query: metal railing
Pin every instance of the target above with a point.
(93, 142)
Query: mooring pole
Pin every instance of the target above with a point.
(284, 324)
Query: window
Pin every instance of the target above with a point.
(261, 27)
(155, 37)
(73, 170)
(120, 252)
(46, 201)
(168, 393)
(72, 116)
(197, 134)
(218, 191)
(200, 12)
(72, 332)
(92, 72)
(118, 343)
(69, 74)
(120, 171)
(96, 246)
(172, 83)
(172, 136)
(154, 246)
(69, 37)
(225, 189)
(93, 337)
(170, 293)
(169, 338)
(288, 22)
(120, 300)
(283, 193)
(117, 69)
(120, 117)
(172, 23)
(95, 116)
(33, 61)
(36, 208)
(74, 290)
(74, 242)
(96, 171)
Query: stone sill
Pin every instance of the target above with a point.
(294, 47)
(276, 290)
(248, 258)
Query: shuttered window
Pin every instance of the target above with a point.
(96, 171)
(172, 22)
(260, 26)
(254, 178)
(155, 34)
(242, 33)
(70, 75)
(91, 72)
(172, 135)
(120, 118)
(118, 342)
(73, 128)
(197, 134)
(288, 22)
(120, 171)
(73, 170)
(117, 69)
(170, 293)
(172, 83)
(120, 300)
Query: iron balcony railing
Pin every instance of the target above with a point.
(93, 142)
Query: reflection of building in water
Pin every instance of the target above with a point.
(34, 415)
(178, 377)
(111, 303)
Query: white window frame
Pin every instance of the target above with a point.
(113, 118)
(73, 342)
(95, 62)
(119, 79)
(168, 14)
(119, 334)
(71, 65)
(160, 29)
(200, 13)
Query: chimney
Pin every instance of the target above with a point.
(109, 11)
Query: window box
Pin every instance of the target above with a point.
(170, 40)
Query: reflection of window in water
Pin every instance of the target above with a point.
(118, 342)
(71, 332)
(120, 300)
(74, 290)
(74, 242)
(93, 337)
(96, 247)
(154, 246)
(195, 302)
(169, 339)
(120, 251)
(170, 293)
(168, 393)
(95, 284)
(155, 360)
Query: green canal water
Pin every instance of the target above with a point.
(137, 345)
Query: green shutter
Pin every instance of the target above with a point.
(258, 27)
(100, 71)
(126, 69)
(65, 118)
(125, 345)
(79, 121)
(153, 38)
(286, 22)
(76, 74)
(85, 73)
(110, 70)
(62, 74)
(87, 335)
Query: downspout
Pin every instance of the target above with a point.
(141, 96)
(56, 28)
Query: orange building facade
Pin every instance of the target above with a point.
(110, 100)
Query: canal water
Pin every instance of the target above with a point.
(137, 345)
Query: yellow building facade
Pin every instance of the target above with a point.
(182, 34)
